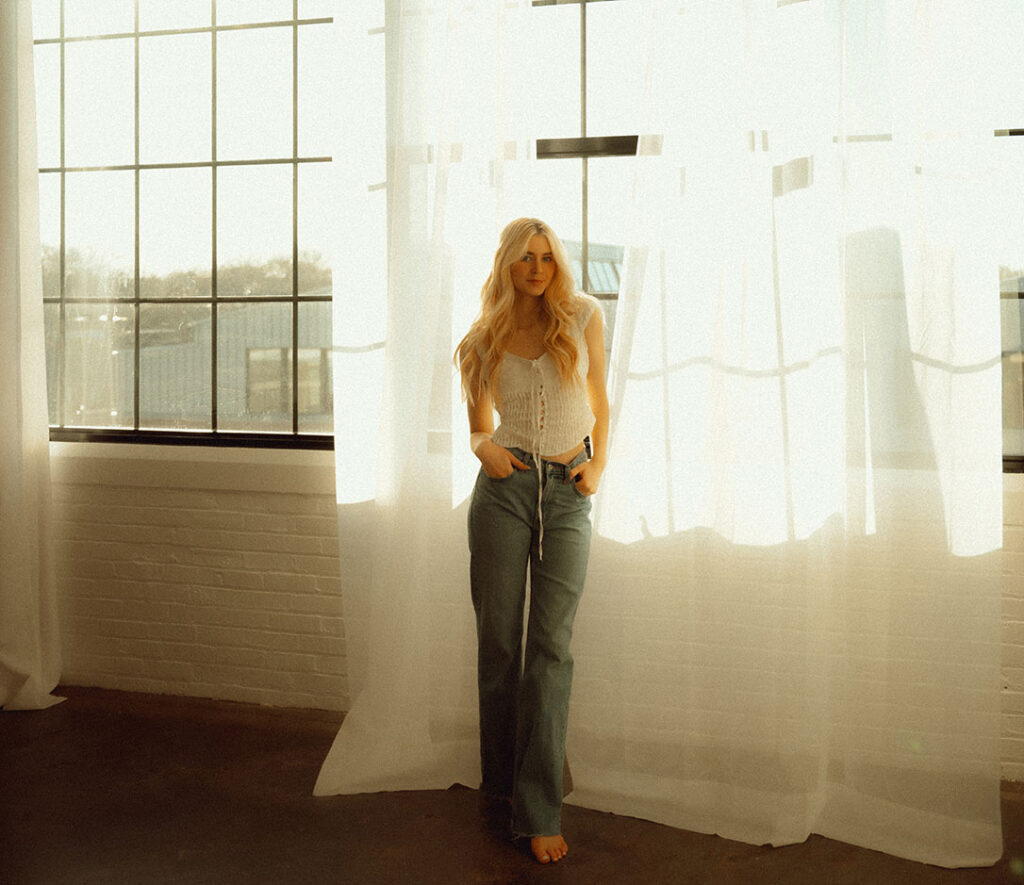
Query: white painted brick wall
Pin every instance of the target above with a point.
(1013, 629)
(215, 573)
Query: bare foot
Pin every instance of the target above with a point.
(548, 849)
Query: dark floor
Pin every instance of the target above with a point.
(111, 787)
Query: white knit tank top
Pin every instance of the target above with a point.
(539, 413)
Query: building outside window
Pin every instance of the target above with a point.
(184, 150)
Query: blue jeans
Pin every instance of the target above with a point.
(524, 699)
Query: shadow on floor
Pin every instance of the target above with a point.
(112, 787)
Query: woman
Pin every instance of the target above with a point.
(536, 354)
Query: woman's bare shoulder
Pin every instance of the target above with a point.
(584, 307)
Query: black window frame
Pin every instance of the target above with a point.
(1012, 463)
(584, 147)
(62, 432)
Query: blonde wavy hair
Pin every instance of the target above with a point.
(481, 351)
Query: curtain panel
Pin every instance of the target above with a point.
(29, 642)
(791, 622)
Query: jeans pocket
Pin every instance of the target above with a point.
(496, 480)
(576, 488)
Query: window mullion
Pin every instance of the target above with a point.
(62, 245)
(136, 301)
(214, 308)
(584, 184)
(295, 218)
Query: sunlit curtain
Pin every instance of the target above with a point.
(420, 223)
(29, 650)
(791, 623)
(798, 628)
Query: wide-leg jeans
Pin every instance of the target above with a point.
(524, 695)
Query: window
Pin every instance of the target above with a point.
(268, 380)
(1011, 302)
(183, 152)
(592, 172)
(1000, 105)
(601, 96)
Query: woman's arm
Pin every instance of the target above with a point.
(589, 472)
(498, 462)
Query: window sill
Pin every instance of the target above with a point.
(285, 471)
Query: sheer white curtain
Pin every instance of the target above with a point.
(421, 219)
(29, 645)
(791, 624)
(802, 612)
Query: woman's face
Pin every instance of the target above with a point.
(532, 272)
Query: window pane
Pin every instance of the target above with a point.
(317, 212)
(867, 98)
(242, 214)
(99, 86)
(1008, 233)
(98, 365)
(615, 91)
(315, 390)
(82, 17)
(551, 190)
(175, 375)
(159, 15)
(254, 94)
(610, 181)
(175, 241)
(99, 232)
(999, 85)
(254, 230)
(175, 95)
(1013, 363)
(558, 196)
(240, 12)
(368, 107)
(265, 389)
(361, 292)
(45, 19)
(552, 69)
(317, 85)
(253, 373)
(51, 321)
(49, 232)
(47, 65)
(317, 8)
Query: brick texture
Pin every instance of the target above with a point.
(1013, 629)
(211, 580)
(218, 578)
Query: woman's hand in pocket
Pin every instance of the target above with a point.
(587, 476)
(498, 462)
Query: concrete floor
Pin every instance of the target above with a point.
(111, 787)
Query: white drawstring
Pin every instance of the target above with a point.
(538, 400)
(540, 505)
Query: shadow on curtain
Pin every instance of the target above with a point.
(791, 624)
